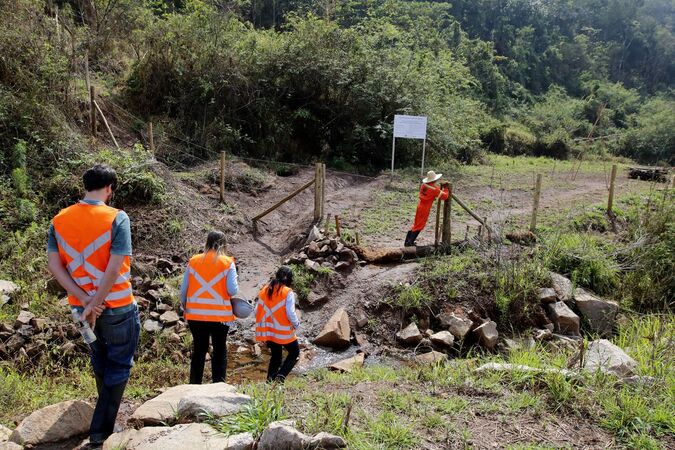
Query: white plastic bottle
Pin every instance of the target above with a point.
(84, 328)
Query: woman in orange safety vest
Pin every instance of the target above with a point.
(428, 193)
(209, 282)
(276, 323)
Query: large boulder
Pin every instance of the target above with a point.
(458, 326)
(487, 334)
(179, 437)
(606, 357)
(564, 319)
(349, 364)
(163, 408)
(336, 332)
(326, 441)
(282, 436)
(410, 335)
(599, 314)
(443, 339)
(562, 286)
(54, 423)
(218, 405)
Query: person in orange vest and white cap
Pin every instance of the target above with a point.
(209, 283)
(89, 251)
(428, 193)
(277, 322)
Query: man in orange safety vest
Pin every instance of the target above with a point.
(89, 251)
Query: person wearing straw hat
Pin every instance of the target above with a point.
(428, 193)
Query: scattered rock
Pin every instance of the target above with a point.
(360, 339)
(606, 357)
(314, 235)
(39, 324)
(543, 334)
(23, 318)
(548, 295)
(154, 315)
(487, 334)
(152, 326)
(216, 404)
(313, 250)
(564, 319)
(169, 318)
(326, 441)
(525, 343)
(54, 423)
(336, 332)
(163, 307)
(179, 437)
(4, 433)
(315, 299)
(598, 313)
(10, 446)
(257, 351)
(4, 299)
(431, 357)
(8, 287)
(349, 364)
(410, 335)
(362, 321)
(443, 338)
(282, 436)
(458, 326)
(312, 265)
(163, 407)
(562, 287)
(342, 265)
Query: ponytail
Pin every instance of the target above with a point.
(283, 277)
(215, 242)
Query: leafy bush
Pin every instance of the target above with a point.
(518, 284)
(651, 138)
(408, 297)
(594, 220)
(586, 259)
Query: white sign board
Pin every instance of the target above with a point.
(410, 127)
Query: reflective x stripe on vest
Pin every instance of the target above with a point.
(95, 275)
(268, 327)
(207, 286)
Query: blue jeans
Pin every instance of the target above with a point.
(112, 354)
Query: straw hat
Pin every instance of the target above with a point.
(432, 176)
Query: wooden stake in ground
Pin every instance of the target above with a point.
(222, 177)
(535, 203)
(318, 191)
(438, 222)
(446, 236)
(337, 226)
(151, 138)
(612, 180)
(92, 110)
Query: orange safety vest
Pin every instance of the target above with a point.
(207, 297)
(272, 323)
(84, 236)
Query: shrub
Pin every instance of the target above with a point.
(518, 283)
(594, 220)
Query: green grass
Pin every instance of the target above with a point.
(266, 406)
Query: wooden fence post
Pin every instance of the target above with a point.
(323, 189)
(318, 191)
(337, 226)
(438, 222)
(151, 138)
(446, 236)
(535, 203)
(92, 110)
(222, 173)
(612, 180)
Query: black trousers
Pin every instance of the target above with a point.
(201, 332)
(278, 371)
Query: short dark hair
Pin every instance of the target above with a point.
(99, 177)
